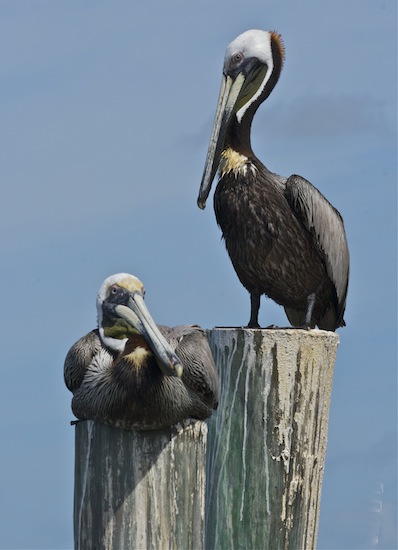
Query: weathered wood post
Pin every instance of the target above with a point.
(139, 490)
(267, 442)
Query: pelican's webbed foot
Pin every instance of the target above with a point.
(252, 325)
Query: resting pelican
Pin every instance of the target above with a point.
(133, 374)
(285, 240)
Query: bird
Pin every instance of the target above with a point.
(130, 373)
(284, 238)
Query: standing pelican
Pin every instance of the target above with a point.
(284, 238)
(132, 374)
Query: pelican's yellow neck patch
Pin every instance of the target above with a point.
(232, 161)
(138, 356)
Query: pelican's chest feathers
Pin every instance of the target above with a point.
(251, 208)
(135, 371)
(235, 163)
(137, 352)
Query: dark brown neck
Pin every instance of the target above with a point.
(238, 135)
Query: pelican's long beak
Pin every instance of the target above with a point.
(229, 94)
(137, 315)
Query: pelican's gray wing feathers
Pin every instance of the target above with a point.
(327, 227)
(192, 347)
(79, 358)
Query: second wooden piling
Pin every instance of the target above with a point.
(267, 442)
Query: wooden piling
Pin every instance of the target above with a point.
(267, 442)
(139, 490)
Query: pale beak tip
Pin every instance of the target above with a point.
(179, 370)
(202, 204)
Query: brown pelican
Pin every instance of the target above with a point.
(133, 374)
(285, 240)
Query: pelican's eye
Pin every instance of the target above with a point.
(237, 58)
(114, 290)
(118, 295)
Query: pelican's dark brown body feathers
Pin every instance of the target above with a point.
(284, 238)
(128, 387)
(276, 243)
(111, 390)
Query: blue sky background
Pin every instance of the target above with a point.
(106, 110)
